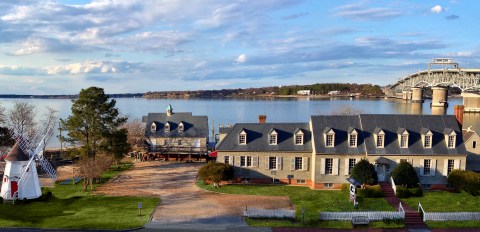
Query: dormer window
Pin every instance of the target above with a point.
(180, 127)
(242, 138)
(450, 137)
(352, 137)
(329, 136)
(167, 127)
(379, 135)
(272, 137)
(298, 134)
(403, 137)
(426, 137)
(153, 127)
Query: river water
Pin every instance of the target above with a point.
(231, 111)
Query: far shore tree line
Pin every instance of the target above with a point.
(98, 135)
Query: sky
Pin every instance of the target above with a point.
(132, 46)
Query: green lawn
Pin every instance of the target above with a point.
(442, 201)
(314, 202)
(71, 208)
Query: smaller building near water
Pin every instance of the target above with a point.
(304, 92)
(176, 136)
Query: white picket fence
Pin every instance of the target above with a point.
(372, 215)
(269, 213)
(448, 216)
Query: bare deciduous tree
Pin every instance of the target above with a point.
(21, 118)
(91, 168)
(136, 132)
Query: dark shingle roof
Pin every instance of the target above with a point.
(257, 137)
(467, 134)
(415, 125)
(194, 126)
(340, 125)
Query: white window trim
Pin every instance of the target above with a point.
(382, 135)
(242, 133)
(274, 135)
(181, 127)
(167, 127)
(298, 135)
(153, 127)
(424, 136)
(356, 139)
(329, 133)
(400, 139)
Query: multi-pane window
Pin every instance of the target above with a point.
(153, 128)
(451, 141)
(249, 161)
(328, 166)
(426, 167)
(272, 163)
(179, 142)
(404, 141)
(351, 164)
(301, 181)
(298, 163)
(242, 161)
(328, 185)
(428, 141)
(273, 139)
(353, 140)
(180, 128)
(380, 138)
(450, 166)
(242, 139)
(226, 159)
(298, 139)
(167, 127)
(329, 141)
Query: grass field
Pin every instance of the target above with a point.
(314, 202)
(442, 201)
(71, 208)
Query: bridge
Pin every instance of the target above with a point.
(412, 86)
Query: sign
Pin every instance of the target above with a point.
(352, 189)
(139, 205)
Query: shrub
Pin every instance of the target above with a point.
(364, 172)
(465, 180)
(370, 192)
(215, 173)
(404, 192)
(404, 174)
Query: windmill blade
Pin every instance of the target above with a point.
(47, 167)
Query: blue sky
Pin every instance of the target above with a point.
(60, 47)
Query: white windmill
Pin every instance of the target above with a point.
(20, 179)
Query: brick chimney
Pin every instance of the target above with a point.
(458, 111)
(262, 118)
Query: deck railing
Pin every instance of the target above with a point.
(394, 187)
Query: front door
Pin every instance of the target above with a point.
(381, 172)
(13, 187)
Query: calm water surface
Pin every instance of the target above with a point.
(231, 111)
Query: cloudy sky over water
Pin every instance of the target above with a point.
(60, 47)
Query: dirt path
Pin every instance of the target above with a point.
(183, 203)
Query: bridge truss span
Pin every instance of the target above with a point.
(465, 79)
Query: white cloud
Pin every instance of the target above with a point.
(89, 67)
(436, 9)
(241, 58)
(200, 64)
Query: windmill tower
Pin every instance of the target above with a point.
(20, 179)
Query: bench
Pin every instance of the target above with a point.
(360, 220)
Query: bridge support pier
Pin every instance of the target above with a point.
(417, 95)
(439, 96)
(406, 95)
(471, 101)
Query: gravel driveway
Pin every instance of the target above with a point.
(183, 204)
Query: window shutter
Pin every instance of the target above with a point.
(398, 161)
(230, 160)
(305, 163)
(433, 167)
(421, 166)
(255, 161)
(267, 162)
(335, 166)
(322, 166)
(347, 164)
(456, 164)
(292, 164)
(237, 161)
(445, 167)
(279, 163)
